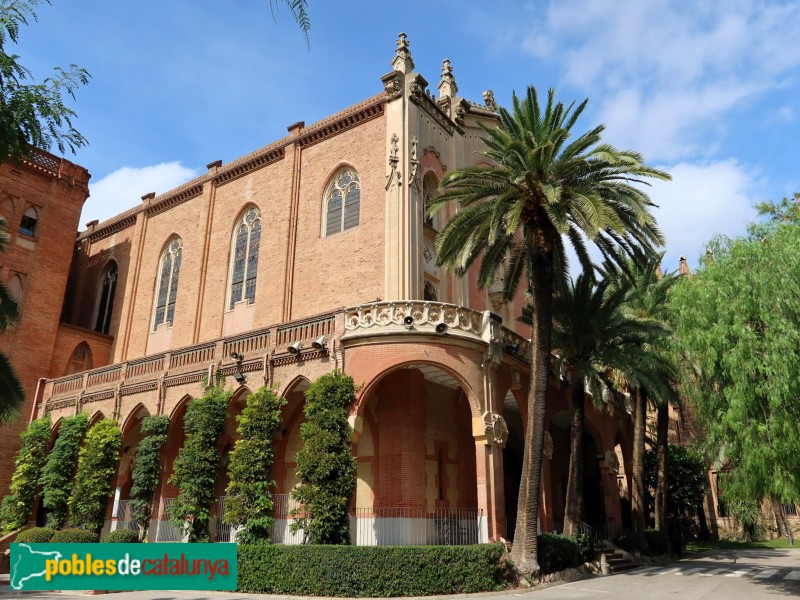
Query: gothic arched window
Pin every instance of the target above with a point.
(342, 202)
(14, 289)
(105, 306)
(167, 288)
(81, 359)
(429, 292)
(429, 187)
(29, 221)
(244, 267)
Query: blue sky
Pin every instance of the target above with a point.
(706, 90)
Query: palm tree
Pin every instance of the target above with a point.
(11, 394)
(648, 294)
(542, 190)
(593, 336)
(299, 10)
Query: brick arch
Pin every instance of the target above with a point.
(95, 418)
(451, 369)
(430, 163)
(130, 420)
(179, 406)
(293, 384)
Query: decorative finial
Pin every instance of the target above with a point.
(447, 85)
(488, 99)
(402, 57)
(683, 268)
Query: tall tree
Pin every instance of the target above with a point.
(545, 190)
(33, 115)
(11, 394)
(594, 336)
(737, 331)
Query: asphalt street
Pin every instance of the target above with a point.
(730, 575)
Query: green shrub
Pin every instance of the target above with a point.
(358, 571)
(250, 502)
(75, 536)
(675, 535)
(60, 468)
(657, 542)
(195, 469)
(326, 466)
(121, 536)
(36, 535)
(586, 550)
(97, 464)
(146, 472)
(628, 541)
(557, 552)
(28, 462)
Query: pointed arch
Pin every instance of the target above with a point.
(243, 269)
(80, 360)
(106, 289)
(96, 417)
(29, 222)
(341, 201)
(167, 285)
(430, 189)
(134, 415)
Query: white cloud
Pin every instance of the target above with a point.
(667, 72)
(702, 200)
(122, 189)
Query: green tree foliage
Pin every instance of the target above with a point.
(60, 468)
(97, 465)
(195, 469)
(11, 394)
(18, 504)
(738, 337)
(547, 189)
(33, 114)
(326, 467)
(687, 479)
(250, 501)
(299, 10)
(147, 469)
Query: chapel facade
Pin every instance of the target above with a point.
(311, 254)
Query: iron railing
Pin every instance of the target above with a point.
(124, 516)
(415, 526)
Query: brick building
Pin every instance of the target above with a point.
(312, 254)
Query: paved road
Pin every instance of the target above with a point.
(730, 575)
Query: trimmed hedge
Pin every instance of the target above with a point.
(36, 535)
(362, 571)
(657, 542)
(557, 552)
(75, 536)
(121, 536)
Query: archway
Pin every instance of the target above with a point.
(416, 460)
(119, 509)
(512, 460)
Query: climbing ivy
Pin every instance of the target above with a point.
(97, 465)
(250, 500)
(18, 504)
(60, 468)
(195, 469)
(325, 464)
(147, 469)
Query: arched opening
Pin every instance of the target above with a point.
(342, 202)
(81, 359)
(416, 461)
(512, 460)
(430, 186)
(14, 289)
(120, 514)
(105, 298)
(29, 222)
(165, 531)
(287, 444)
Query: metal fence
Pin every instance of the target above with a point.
(415, 526)
(124, 516)
(165, 529)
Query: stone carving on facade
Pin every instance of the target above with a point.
(516, 379)
(488, 99)
(389, 314)
(402, 56)
(495, 428)
(394, 161)
(447, 84)
(412, 177)
(547, 450)
(461, 112)
(612, 462)
(435, 152)
(497, 300)
(393, 85)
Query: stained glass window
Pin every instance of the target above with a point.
(168, 284)
(343, 202)
(244, 269)
(108, 285)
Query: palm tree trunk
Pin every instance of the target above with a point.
(524, 553)
(574, 501)
(638, 502)
(662, 429)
